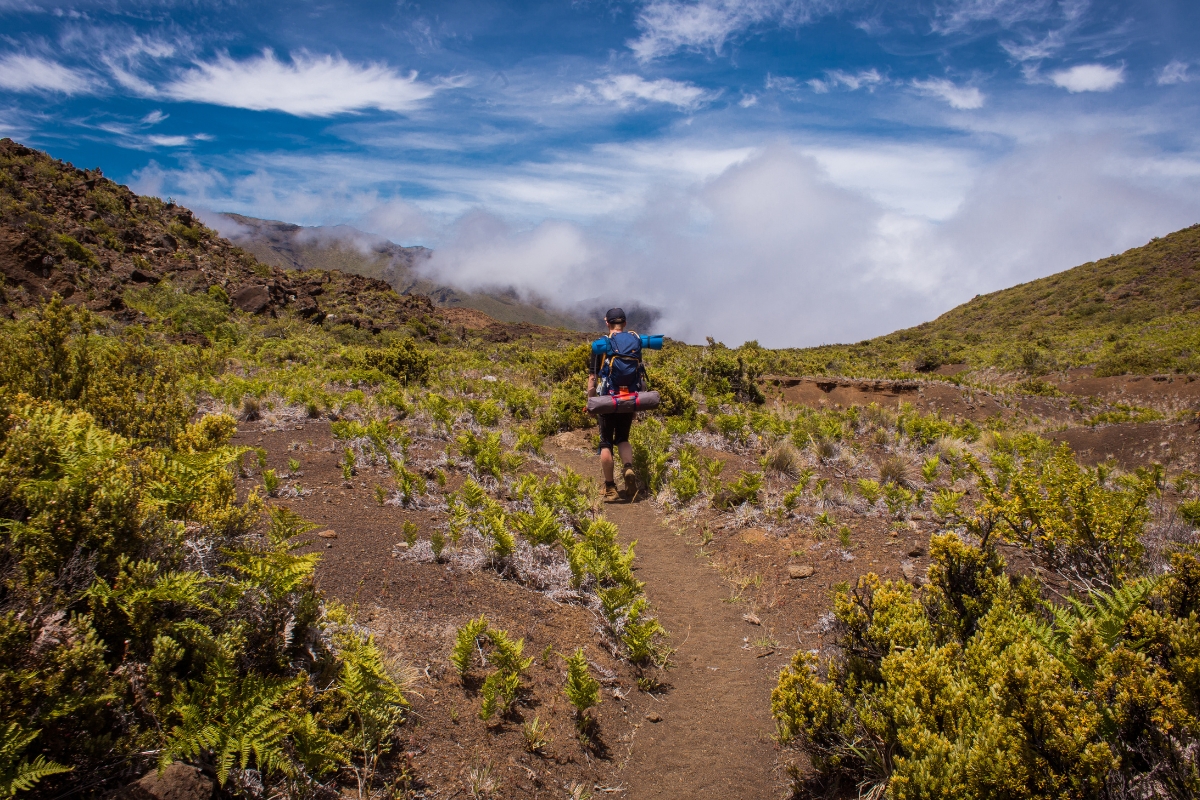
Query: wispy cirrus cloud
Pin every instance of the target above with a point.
(305, 86)
(628, 90)
(1089, 78)
(668, 26)
(958, 15)
(25, 73)
(135, 135)
(964, 98)
(865, 79)
(1174, 72)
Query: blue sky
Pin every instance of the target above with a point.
(793, 171)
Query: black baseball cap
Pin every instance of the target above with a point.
(614, 315)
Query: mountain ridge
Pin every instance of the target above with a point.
(77, 235)
(1134, 312)
(357, 252)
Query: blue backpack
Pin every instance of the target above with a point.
(621, 368)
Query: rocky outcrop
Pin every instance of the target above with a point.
(176, 782)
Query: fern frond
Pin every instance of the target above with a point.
(465, 642)
(20, 774)
(581, 689)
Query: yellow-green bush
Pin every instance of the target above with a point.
(973, 688)
(128, 387)
(147, 613)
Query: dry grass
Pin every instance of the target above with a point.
(895, 469)
(784, 459)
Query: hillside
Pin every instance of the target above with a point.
(95, 243)
(79, 235)
(1137, 312)
(350, 250)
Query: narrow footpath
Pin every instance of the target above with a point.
(714, 737)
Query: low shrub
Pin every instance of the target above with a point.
(972, 688)
(404, 361)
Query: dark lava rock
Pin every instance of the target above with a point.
(176, 782)
(252, 299)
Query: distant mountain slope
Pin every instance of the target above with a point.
(350, 250)
(93, 242)
(1137, 312)
(76, 234)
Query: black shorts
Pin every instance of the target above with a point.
(614, 429)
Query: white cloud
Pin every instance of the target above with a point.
(154, 117)
(308, 86)
(123, 52)
(960, 97)
(796, 254)
(1088, 78)
(626, 90)
(957, 15)
(1175, 72)
(177, 141)
(781, 83)
(914, 180)
(1045, 47)
(790, 244)
(748, 101)
(671, 25)
(869, 79)
(22, 73)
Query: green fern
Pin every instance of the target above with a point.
(465, 642)
(540, 527)
(376, 705)
(581, 689)
(236, 722)
(20, 774)
(499, 692)
(641, 634)
(503, 543)
(1108, 613)
(506, 654)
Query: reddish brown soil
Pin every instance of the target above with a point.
(926, 396)
(734, 610)
(1131, 444)
(715, 737)
(414, 610)
(1133, 389)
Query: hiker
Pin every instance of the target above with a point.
(615, 369)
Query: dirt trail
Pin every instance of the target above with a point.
(714, 737)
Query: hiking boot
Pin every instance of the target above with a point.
(610, 493)
(630, 480)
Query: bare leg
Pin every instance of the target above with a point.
(606, 462)
(626, 455)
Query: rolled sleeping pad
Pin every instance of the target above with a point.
(652, 342)
(622, 403)
(602, 344)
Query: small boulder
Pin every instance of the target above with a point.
(752, 619)
(252, 299)
(329, 534)
(176, 782)
(654, 716)
(800, 571)
(911, 573)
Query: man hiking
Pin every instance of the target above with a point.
(615, 369)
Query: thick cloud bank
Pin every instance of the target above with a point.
(788, 244)
(772, 249)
